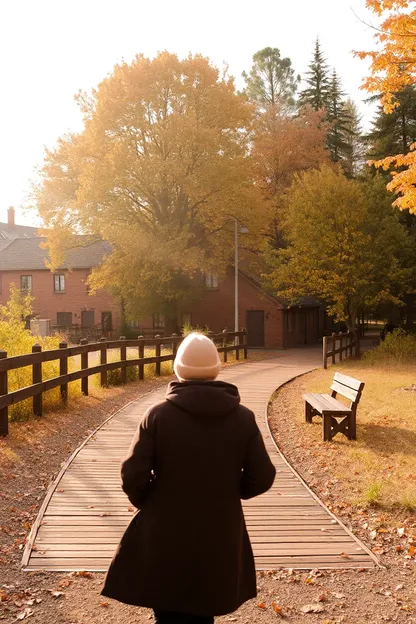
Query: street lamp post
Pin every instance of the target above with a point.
(236, 277)
(243, 230)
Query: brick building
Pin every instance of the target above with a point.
(269, 321)
(63, 297)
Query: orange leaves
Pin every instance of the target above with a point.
(278, 610)
(261, 605)
(393, 65)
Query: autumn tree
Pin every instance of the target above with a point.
(283, 146)
(393, 67)
(346, 245)
(271, 80)
(317, 78)
(160, 168)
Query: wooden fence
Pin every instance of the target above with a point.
(38, 357)
(347, 343)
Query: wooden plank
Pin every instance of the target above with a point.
(351, 382)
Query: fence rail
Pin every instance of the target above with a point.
(38, 357)
(347, 343)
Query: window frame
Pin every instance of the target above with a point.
(211, 280)
(29, 277)
(159, 320)
(60, 276)
(66, 324)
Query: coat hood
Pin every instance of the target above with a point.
(204, 398)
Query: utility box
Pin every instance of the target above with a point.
(41, 327)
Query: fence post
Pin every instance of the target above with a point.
(37, 378)
(325, 351)
(237, 347)
(158, 345)
(84, 365)
(141, 356)
(123, 358)
(174, 347)
(63, 370)
(340, 346)
(334, 346)
(245, 343)
(103, 360)
(224, 344)
(4, 412)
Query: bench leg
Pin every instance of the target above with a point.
(326, 427)
(352, 426)
(308, 413)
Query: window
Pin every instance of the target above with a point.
(211, 280)
(158, 321)
(26, 283)
(59, 283)
(64, 319)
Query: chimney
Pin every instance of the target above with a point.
(10, 216)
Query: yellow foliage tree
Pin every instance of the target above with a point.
(160, 168)
(393, 66)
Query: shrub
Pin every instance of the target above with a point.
(17, 340)
(397, 348)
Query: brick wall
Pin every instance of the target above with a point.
(216, 309)
(47, 303)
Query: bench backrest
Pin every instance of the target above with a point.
(348, 387)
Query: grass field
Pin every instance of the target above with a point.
(379, 468)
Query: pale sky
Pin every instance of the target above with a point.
(49, 49)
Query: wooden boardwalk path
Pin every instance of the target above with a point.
(85, 513)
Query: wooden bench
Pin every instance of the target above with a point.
(336, 417)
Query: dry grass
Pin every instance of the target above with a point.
(379, 468)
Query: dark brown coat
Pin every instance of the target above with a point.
(194, 456)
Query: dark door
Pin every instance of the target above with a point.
(107, 321)
(255, 328)
(87, 318)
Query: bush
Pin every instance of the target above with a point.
(17, 340)
(398, 347)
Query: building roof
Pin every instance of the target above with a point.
(304, 302)
(26, 254)
(10, 232)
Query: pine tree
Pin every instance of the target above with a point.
(271, 80)
(354, 157)
(340, 120)
(394, 133)
(317, 78)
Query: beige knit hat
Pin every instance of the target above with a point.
(197, 358)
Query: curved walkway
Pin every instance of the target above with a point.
(85, 511)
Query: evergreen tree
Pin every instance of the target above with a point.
(339, 117)
(393, 133)
(271, 80)
(354, 157)
(317, 78)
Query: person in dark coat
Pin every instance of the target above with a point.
(186, 553)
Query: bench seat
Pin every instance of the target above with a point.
(326, 403)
